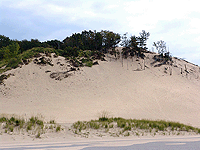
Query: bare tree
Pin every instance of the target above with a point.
(161, 47)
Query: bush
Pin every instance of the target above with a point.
(57, 128)
(14, 62)
(103, 119)
(3, 77)
(127, 128)
(89, 64)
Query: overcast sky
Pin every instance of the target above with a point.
(177, 22)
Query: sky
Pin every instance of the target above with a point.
(177, 22)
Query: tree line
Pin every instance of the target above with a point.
(86, 40)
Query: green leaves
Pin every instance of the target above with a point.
(10, 51)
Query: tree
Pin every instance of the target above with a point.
(9, 51)
(161, 47)
(4, 41)
(142, 39)
(125, 42)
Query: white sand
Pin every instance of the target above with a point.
(121, 91)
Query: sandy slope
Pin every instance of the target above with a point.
(122, 91)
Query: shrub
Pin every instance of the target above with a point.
(103, 119)
(38, 135)
(52, 122)
(57, 128)
(106, 126)
(127, 128)
(14, 62)
(29, 127)
(11, 128)
(89, 64)
(3, 119)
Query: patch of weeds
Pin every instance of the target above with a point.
(107, 130)
(89, 63)
(127, 134)
(127, 128)
(52, 122)
(3, 119)
(51, 127)
(111, 126)
(125, 125)
(137, 133)
(14, 62)
(57, 128)
(94, 125)
(161, 127)
(121, 124)
(38, 135)
(4, 77)
(106, 126)
(11, 128)
(29, 127)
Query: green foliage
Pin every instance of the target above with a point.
(4, 41)
(33, 124)
(104, 118)
(3, 119)
(142, 39)
(11, 128)
(14, 62)
(130, 124)
(89, 64)
(127, 128)
(10, 51)
(3, 77)
(38, 135)
(52, 122)
(57, 128)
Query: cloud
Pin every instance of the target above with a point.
(176, 22)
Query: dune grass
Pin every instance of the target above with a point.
(32, 126)
(14, 62)
(137, 127)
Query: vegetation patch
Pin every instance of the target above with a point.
(3, 77)
(33, 126)
(127, 127)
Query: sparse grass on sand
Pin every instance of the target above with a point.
(33, 126)
(126, 127)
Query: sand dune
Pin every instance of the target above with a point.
(128, 91)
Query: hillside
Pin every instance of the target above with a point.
(141, 89)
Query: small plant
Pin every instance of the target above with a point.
(38, 135)
(127, 134)
(106, 126)
(11, 128)
(57, 128)
(52, 122)
(32, 125)
(29, 127)
(104, 116)
(50, 127)
(111, 126)
(127, 128)
(89, 64)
